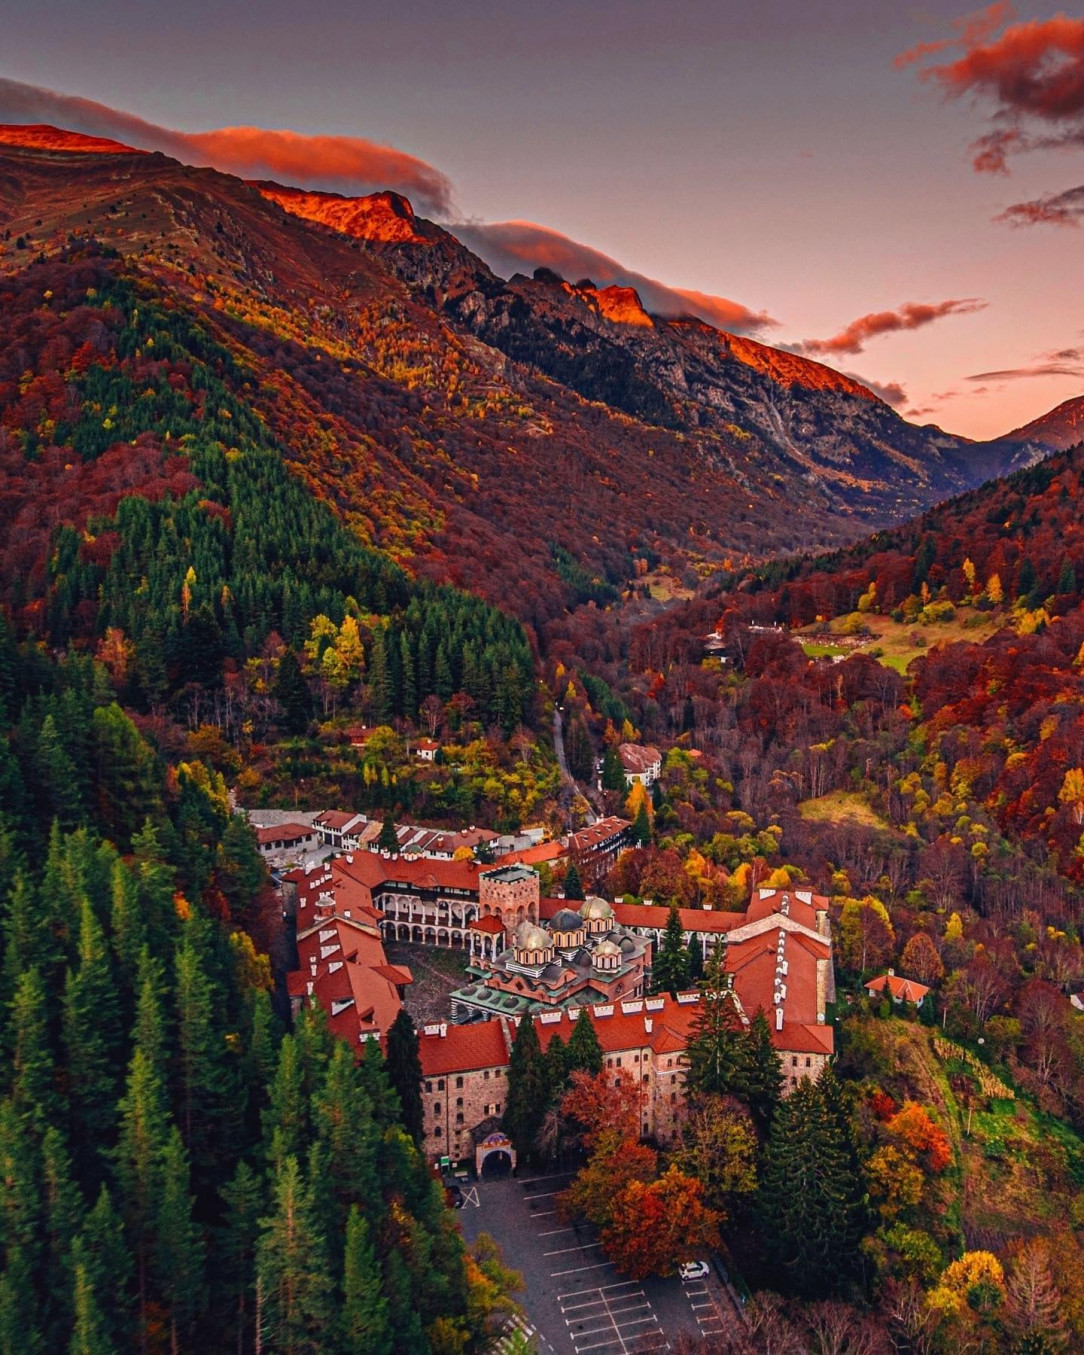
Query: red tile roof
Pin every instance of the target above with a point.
(596, 834)
(638, 759)
(653, 916)
(284, 832)
(903, 990)
(492, 925)
(462, 1049)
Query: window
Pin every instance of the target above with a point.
(437, 1132)
(436, 1107)
(440, 1085)
(669, 1063)
(673, 1098)
(808, 1061)
(458, 1083)
(645, 1078)
(459, 1100)
(497, 1108)
(459, 1117)
(485, 1075)
(429, 1086)
(794, 1060)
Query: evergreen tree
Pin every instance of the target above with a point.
(573, 883)
(557, 1069)
(204, 1084)
(613, 774)
(33, 1073)
(528, 1089)
(90, 1334)
(106, 1256)
(137, 1161)
(286, 1121)
(62, 1216)
(759, 1076)
(380, 1094)
(363, 1316)
(808, 1201)
(380, 687)
(292, 693)
(91, 1023)
(58, 783)
(294, 1284)
(388, 841)
(243, 1197)
(715, 1038)
(584, 1051)
(178, 1251)
(347, 1135)
(641, 827)
(405, 1074)
(670, 972)
(403, 1316)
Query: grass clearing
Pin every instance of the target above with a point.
(842, 806)
(899, 641)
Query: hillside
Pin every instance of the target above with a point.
(529, 439)
(1062, 427)
(795, 417)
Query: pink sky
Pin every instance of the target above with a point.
(911, 219)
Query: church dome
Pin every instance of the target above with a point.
(595, 908)
(566, 921)
(607, 948)
(531, 937)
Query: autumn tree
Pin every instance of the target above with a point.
(719, 1148)
(608, 1101)
(655, 1226)
(614, 1164)
(922, 959)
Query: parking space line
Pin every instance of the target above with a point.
(563, 1251)
(577, 1269)
(554, 1231)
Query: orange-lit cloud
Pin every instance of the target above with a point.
(346, 164)
(911, 315)
(522, 246)
(1053, 209)
(1031, 77)
(891, 392)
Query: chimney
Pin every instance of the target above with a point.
(443, 1030)
(648, 1024)
(779, 1018)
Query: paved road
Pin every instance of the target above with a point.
(575, 1298)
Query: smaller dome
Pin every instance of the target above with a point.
(530, 937)
(628, 945)
(594, 908)
(607, 948)
(566, 921)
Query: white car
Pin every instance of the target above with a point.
(693, 1270)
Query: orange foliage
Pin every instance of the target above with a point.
(654, 1227)
(915, 1131)
(606, 1102)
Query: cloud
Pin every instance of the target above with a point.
(345, 164)
(911, 315)
(522, 246)
(1025, 373)
(891, 392)
(1053, 209)
(1030, 78)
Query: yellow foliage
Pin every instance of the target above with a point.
(954, 928)
(974, 1268)
(253, 969)
(463, 854)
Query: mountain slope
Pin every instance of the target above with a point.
(1062, 427)
(527, 439)
(794, 415)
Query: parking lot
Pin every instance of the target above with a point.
(575, 1299)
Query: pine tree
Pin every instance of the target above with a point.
(363, 1316)
(33, 1073)
(137, 1160)
(57, 779)
(641, 828)
(759, 1078)
(808, 1202)
(613, 774)
(405, 1074)
(403, 1316)
(20, 1325)
(347, 1134)
(380, 687)
(528, 1089)
(243, 1197)
(294, 1284)
(178, 1249)
(204, 1085)
(292, 693)
(286, 1121)
(715, 1039)
(557, 1069)
(62, 1211)
(670, 972)
(90, 1333)
(573, 883)
(584, 1050)
(91, 1024)
(380, 1094)
(107, 1258)
(388, 841)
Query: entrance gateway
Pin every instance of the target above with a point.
(494, 1155)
